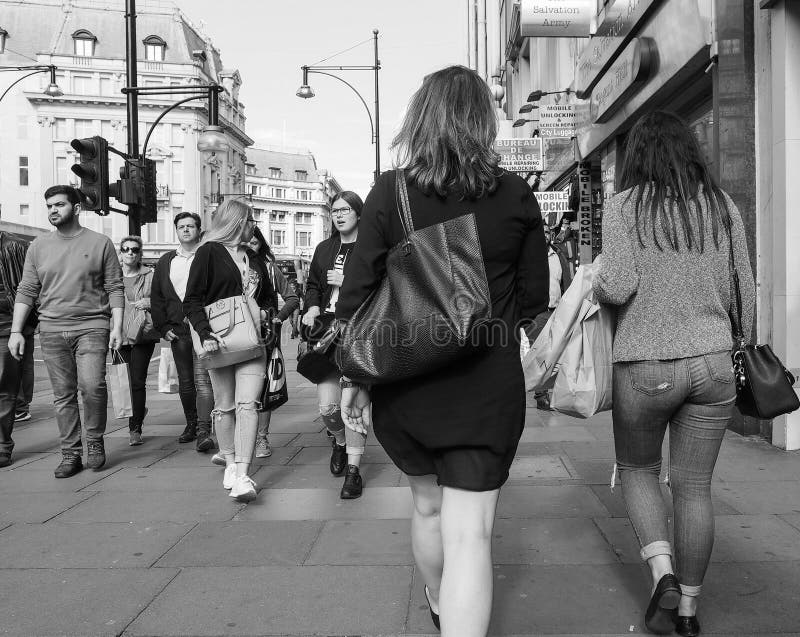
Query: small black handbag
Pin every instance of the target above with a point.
(315, 355)
(428, 309)
(764, 387)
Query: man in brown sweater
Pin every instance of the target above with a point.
(76, 277)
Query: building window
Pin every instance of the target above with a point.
(82, 84)
(301, 175)
(177, 175)
(254, 191)
(279, 193)
(106, 85)
(304, 217)
(277, 215)
(304, 195)
(23, 171)
(84, 128)
(24, 210)
(154, 48)
(303, 239)
(249, 169)
(61, 133)
(275, 173)
(278, 237)
(62, 171)
(84, 43)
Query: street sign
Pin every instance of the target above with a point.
(520, 155)
(585, 212)
(553, 204)
(557, 120)
(557, 18)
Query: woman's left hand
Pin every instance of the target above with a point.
(356, 408)
(142, 304)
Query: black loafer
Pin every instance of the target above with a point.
(338, 458)
(434, 616)
(687, 626)
(660, 615)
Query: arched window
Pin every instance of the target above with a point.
(84, 42)
(154, 48)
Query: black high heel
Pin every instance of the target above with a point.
(434, 616)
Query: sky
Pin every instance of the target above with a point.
(269, 40)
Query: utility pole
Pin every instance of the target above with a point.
(134, 214)
(377, 111)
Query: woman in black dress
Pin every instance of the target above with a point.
(454, 432)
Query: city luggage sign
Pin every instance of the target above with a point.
(557, 18)
(520, 155)
(557, 120)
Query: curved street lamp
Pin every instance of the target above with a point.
(306, 92)
(52, 90)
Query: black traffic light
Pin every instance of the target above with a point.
(93, 172)
(149, 207)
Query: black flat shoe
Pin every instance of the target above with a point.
(687, 626)
(434, 616)
(659, 617)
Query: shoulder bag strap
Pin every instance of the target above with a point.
(736, 317)
(403, 205)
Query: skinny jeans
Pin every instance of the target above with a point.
(137, 357)
(694, 397)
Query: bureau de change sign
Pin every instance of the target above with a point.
(520, 155)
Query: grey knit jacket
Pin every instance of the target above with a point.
(671, 304)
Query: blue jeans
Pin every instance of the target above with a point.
(76, 360)
(194, 384)
(9, 383)
(695, 398)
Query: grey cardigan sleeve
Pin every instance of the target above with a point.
(741, 259)
(617, 278)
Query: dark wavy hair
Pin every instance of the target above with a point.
(265, 251)
(446, 142)
(665, 168)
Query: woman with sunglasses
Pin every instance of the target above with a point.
(224, 267)
(325, 277)
(139, 334)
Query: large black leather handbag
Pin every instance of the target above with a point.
(426, 312)
(764, 387)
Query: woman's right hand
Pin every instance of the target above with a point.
(310, 316)
(212, 344)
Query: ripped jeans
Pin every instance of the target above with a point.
(330, 397)
(694, 397)
(237, 392)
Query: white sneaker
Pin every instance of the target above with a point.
(218, 460)
(229, 477)
(244, 489)
(263, 450)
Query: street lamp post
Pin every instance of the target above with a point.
(306, 92)
(52, 89)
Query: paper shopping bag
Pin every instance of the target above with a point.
(276, 389)
(167, 372)
(540, 361)
(119, 383)
(583, 384)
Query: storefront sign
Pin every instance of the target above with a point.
(557, 18)
(585, 212)
(620, 21)
(553, 204)
(520, 155)
(557, 120)
(625, 76)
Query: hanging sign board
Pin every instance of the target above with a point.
(629, 72)
(557, 18)
(553, 204)
(585, 212)
(557, 120)
(520, 155)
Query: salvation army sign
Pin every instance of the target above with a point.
(520, 155)
(557, 18)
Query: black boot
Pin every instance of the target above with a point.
(338, 458)
(189, 434)
(204, 440)
(353, 485)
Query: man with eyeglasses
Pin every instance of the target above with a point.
(75, 275)
(166, 308)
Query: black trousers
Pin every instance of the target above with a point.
(9, 384)
(138, 358)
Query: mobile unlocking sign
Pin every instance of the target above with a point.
(520, 155)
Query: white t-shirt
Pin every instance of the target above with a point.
(338, 266)
(179, 271)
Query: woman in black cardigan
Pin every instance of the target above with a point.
(453, 432)
(223, 267)
(325, 278)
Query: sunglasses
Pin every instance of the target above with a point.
(131, 249)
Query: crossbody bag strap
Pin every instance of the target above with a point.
(403, 205)
(736, 316)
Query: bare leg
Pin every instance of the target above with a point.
(426, 533)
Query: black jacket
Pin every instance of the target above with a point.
(12, 260)
(318, 292)
(166, 308)
(214, 276)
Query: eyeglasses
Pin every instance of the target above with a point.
(131, 249)
(341, 211)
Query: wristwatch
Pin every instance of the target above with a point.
(346, 383)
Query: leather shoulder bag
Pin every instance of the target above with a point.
(423, 315)
(764, 387)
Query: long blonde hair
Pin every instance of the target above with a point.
(228, 223)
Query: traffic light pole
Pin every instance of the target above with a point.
(134, 214)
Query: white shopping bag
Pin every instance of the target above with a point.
(539, 363)
(167, 372)
(583, 384)
(119, 383)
